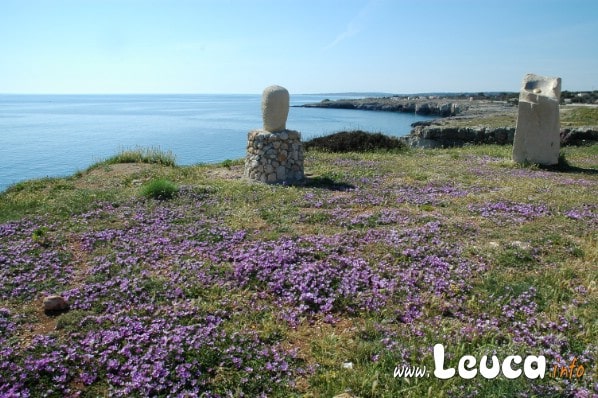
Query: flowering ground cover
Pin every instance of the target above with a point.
(234, 289)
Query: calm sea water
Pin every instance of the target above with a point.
(56, 135)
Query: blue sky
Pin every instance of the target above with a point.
(308, 46)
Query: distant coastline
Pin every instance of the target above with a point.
(440, 106)
(470, 118)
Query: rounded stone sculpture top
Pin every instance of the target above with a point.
(275, 108)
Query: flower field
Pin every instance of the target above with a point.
(234, 289)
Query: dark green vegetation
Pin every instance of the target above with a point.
(236, 289)
(585, 97)
(159, 189)
(354, 141)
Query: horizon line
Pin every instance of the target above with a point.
(241, 93)
(382, 93)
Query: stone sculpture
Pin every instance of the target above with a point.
(537, 136)
(274, 154)
(275, 108)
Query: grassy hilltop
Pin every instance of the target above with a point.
(190, 279)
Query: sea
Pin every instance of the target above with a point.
(58, 135)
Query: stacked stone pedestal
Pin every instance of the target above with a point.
(274, 158)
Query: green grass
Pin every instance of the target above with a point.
(579, 116)
(82, 191)
(159, 189)
(493, 121)
(31, 198)
(140, 155)
(571, 116)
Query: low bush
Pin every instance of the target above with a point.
(159, 189)
(354, 141)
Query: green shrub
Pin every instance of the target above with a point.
(159, 189)
(40, 236)
(354, 141)
(228, 163)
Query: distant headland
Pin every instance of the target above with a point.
(475, 118)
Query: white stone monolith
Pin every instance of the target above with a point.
(537, 136)
(275, 108)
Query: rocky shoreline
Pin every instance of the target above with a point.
(420, 106)
(461, 121)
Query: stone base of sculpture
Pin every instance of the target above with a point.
(537, 136)
(274, 158)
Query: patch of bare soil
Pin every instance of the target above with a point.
(43, 323)
(226, 173)
(302, 339)
(115, 175)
